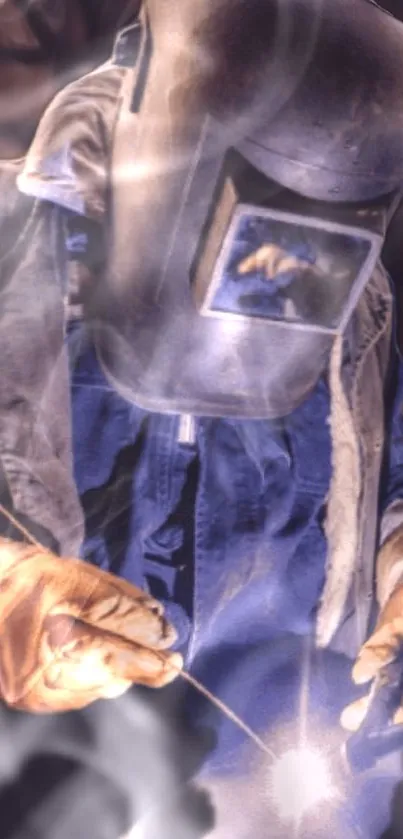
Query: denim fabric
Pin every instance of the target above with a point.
(250, 492)
(228, 531)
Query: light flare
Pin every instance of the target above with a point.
(300, 780)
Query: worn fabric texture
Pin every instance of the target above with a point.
(35, 428)
(68, 160)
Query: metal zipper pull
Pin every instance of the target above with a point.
(187, 430)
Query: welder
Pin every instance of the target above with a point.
(223, 194)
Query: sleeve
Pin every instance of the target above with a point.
(68, 160)
(36, 474)
(66, 169)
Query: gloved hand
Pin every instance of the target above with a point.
(386, 640)
(272, 260)
(71, 633)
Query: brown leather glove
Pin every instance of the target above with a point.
(272, 260)
(71, 633)
(387, 638)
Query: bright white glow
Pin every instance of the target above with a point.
(300, 780)
(137, 832)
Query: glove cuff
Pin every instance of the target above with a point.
(389, 573)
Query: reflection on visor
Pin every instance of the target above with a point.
(286, 270)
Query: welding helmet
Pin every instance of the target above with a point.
(256, 161)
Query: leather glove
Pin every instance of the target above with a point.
(71, 633)
(386, 640)
(272, 260)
